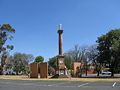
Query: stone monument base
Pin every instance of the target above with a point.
(62, 73)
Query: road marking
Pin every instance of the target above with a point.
(114, 84)
(83, 84)
(58, 84)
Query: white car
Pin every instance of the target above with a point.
(105, 72)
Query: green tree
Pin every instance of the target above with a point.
(68, 61)
(53, 62)
(51, 70)
(38, 60)
(6, 31)
(20, 62)
(109, 49)
(92, 55)
(5, 34)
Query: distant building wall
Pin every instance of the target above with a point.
(76, 69)
(92, 69)
(44, 70)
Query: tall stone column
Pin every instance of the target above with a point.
(60, 42)
(61, 70)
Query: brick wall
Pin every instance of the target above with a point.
(33, 70)
(44, 70)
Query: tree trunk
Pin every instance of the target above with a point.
(1, 71)
(16, 73)
(98, 73)
(112, 72)
(86, 71)
(80, 73)
(113, 68)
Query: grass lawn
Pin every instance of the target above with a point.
(23, 77)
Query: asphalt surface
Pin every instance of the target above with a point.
(102, 76)
(57, 85)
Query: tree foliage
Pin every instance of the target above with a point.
(53, 62)
(20, 62)
(39, 59)
(51, 70)
(77, 54)
(5, 33)
(109, 49)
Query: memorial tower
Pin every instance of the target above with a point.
(61, 70)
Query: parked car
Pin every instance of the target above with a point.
(105, 72)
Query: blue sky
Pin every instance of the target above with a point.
(36, 23)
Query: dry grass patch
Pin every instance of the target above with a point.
(23, 77)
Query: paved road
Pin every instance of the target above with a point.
(57, 85)
(102, 76)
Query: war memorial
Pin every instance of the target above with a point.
(60, 70)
